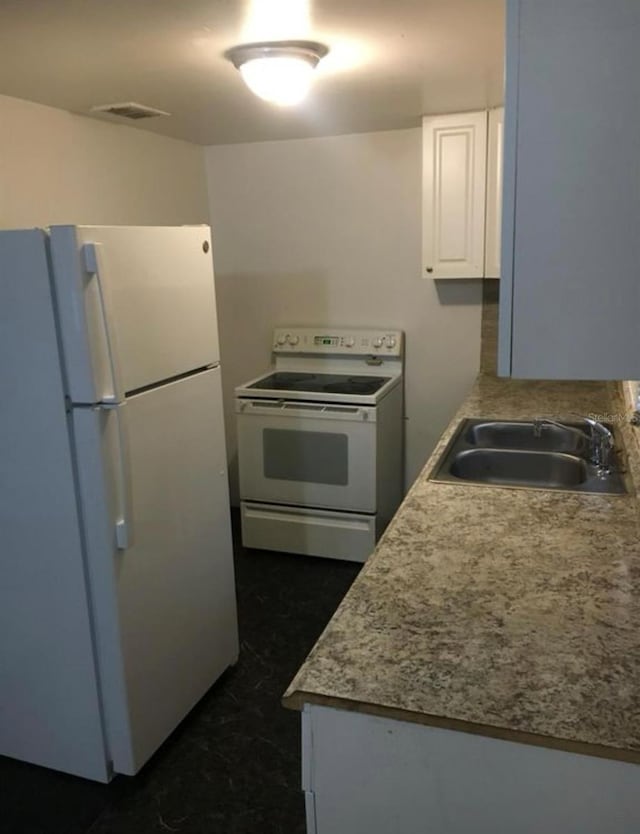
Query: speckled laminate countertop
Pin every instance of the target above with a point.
(508, 612)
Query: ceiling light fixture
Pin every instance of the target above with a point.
(278, 71)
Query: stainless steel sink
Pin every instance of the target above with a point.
(508, 466)
(508, 453)
(513, 434)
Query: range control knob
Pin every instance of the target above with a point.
(377, 342)
(349, 341)
(281, 340)
(293, 340)
(390, 341)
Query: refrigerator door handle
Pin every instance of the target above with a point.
(124, 515)
(92, 263)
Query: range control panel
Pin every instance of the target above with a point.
(357, 342)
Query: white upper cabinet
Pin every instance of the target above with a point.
(462, 194)
(453, 189)
(570, 291)
(495, 144)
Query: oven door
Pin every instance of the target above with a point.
(307, 454)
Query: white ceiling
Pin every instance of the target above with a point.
(390, 61)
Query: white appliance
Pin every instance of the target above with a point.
(320, 442)
(117, 597)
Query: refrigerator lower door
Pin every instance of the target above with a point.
(49, 699)
(154, 495)
(136, 306)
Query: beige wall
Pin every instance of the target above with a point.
(328, 231)
(56, 167)
(305, 232)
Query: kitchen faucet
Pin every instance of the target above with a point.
(600, 439)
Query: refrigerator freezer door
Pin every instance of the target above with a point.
(165, 601)
(49, 698)
(136, 306)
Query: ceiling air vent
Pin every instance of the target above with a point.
(129, 110)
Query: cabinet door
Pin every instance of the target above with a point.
(453, 189)
(570, 304)
(494, 193)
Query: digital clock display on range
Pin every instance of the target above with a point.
(325, 340)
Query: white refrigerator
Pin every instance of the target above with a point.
(117, 595)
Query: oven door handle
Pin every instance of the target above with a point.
(291, 408)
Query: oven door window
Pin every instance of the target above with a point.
(311, 456)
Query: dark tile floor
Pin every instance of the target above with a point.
(233, 765)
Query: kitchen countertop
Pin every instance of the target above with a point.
(512, 613)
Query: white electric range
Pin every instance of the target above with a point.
(320, 442)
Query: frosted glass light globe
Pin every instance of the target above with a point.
(278, 71)
(279, 79)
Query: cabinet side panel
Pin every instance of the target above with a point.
(495, 155)
(508, 189)
(576, 296)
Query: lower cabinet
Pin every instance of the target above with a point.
(364, 774)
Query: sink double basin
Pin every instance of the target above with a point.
(511, 434)
(517, 453)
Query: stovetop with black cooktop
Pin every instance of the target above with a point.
(320, 383)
